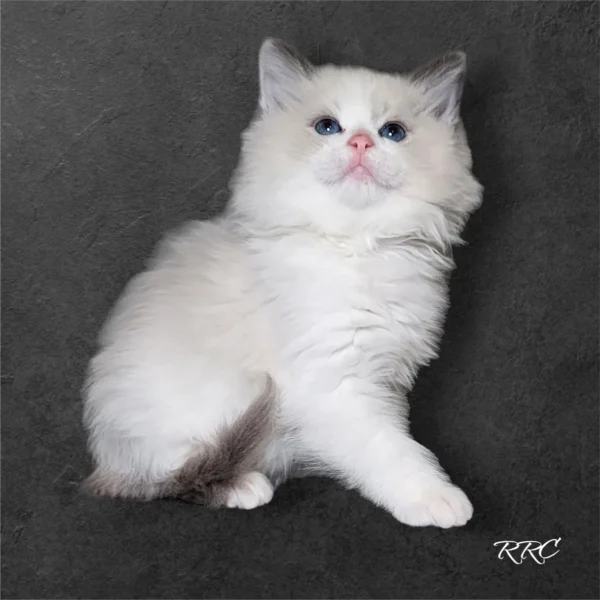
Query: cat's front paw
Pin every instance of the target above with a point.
(441, 505)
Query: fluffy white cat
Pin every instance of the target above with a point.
(281, 338)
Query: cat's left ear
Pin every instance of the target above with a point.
(442, 81)
(281, 71)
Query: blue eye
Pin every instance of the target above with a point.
(393, 131)
(328, 127)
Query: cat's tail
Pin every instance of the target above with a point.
(214, 470)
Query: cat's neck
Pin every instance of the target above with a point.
(433, 228)
(429, 245)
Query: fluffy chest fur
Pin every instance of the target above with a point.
(375, 313)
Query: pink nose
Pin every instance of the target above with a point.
(360, 142)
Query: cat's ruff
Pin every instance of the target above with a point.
(283, 335)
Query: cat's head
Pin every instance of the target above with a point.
(347, 149)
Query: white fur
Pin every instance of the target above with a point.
(253, 490)
(334, 287)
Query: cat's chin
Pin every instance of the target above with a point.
(361, 194)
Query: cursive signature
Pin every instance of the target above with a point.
(519, 551)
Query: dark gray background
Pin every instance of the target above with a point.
(121, 120)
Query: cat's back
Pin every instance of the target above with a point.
(195, 283)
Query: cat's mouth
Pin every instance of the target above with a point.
(365, 174)
(362, 173)
(359, 172)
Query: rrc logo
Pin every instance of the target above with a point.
(519, 551)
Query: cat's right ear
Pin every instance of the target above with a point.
(281, 72)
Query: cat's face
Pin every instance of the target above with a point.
(337, 146)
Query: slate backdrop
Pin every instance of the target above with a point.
(122, 119)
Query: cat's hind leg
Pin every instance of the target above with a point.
(224, 473)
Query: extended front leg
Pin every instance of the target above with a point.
(360, 438)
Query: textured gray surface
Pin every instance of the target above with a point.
(122, 119)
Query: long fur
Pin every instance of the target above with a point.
(212, 470)
(333, 289)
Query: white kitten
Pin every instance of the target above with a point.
(281, 337)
